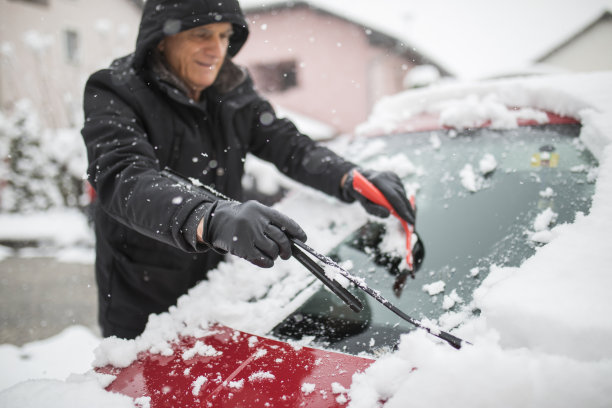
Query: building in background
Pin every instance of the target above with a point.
(48, 49)
(589, 49)
(317, 63)
(324, 63)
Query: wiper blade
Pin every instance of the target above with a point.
(454, 341)
(347, 297)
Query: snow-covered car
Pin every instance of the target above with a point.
(505, 176)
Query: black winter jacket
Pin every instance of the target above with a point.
(136, 124)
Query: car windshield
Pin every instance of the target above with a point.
(468, 218)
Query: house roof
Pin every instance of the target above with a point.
(375, 34)
(606, 15)
(471, 38)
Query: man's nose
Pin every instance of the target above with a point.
(217, 46)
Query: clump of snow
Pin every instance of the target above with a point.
(307, 388)
(237, 385)
(451, 300)
(338, 388)
(117, 352)
(200, 349)
(547, 193)
(261, 375)
(252, 341)
(434, 288)
(487, 164)
(394, 242)
(431, 326)
(260, 353)
(469, 178)
(544, 219)
(474, 181)
(541, 225)
(197, 384)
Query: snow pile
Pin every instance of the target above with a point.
(61, 394)
(424, 374)
(64, 228)
(71, 351)
(474, 111)
(578, 96)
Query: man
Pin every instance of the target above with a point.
(179, 102)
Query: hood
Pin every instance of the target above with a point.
(161, 18)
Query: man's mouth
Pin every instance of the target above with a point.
(210, 66)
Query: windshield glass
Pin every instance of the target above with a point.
(484, 197)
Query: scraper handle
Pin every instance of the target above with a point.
(364, 187)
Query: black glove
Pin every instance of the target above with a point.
(389, 185)
(251, 231)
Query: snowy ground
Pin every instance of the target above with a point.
(542, 338)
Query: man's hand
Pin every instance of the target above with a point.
(389, 185)
(251, 231)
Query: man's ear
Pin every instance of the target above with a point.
(161, 46)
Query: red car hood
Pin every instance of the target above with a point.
(237, 369)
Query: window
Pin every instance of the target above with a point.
(71, 46)
(276, 77)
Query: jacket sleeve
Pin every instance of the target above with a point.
(124, 170)
(295, 154)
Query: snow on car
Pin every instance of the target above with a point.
(537, 321)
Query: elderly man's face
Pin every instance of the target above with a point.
(196, 55)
